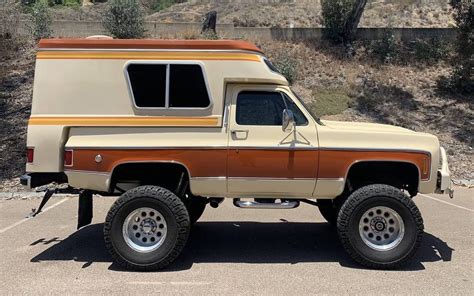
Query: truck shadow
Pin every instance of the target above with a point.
(239, 242)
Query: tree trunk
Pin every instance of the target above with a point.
(350, 28)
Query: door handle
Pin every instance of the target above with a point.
(239, 134)
(239, 131)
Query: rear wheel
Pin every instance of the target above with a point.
(380, 227)
(146, 228)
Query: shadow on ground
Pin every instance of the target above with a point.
(237, 242)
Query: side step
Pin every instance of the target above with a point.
(286, 204)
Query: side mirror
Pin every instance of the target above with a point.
(288, 121)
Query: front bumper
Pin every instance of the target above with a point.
(443, 184)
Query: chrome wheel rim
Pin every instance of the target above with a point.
(144, 230)
(381, 228)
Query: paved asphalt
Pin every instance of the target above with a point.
(232, 251)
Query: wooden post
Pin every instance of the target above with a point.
(209, 22)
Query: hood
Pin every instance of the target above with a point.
(362, 126)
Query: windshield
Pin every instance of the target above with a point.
(318, 120)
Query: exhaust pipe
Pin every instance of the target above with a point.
(215, 202)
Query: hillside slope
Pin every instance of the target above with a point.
(378, 13)
(306, 13)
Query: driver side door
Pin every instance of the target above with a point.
(264, 160)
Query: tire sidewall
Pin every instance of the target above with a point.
(398, 253)
(141, 258)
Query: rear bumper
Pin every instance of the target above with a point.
(443, 184)
(32, 180)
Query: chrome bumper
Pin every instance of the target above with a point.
(443, 184)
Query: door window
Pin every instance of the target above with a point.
(265, 108)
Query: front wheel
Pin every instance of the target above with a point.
(146, 228)
(380, 227)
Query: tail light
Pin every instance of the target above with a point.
(68, 158)
(30, 154)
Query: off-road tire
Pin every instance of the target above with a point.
(386, 196)
(328, 210)
(196, 206)
(178, 228)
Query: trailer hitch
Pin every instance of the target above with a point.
(46, 197)
(84, 211)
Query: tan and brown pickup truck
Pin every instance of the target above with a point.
(175, 125)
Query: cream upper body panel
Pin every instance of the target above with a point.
(380, 137)
(100, 87)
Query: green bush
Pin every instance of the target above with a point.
(430, 50)
(387, 48)
(41, 26)
(462, 78)
(124, 19)
(335, 13)
(72, 3)
(287, 66)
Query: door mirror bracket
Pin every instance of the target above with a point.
(288, 121)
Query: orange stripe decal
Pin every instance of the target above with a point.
(147, 55)
(125, 121)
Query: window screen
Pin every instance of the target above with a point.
(187, 87)
(265, 108)
(148, 83)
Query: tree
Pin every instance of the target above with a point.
(341, 19)
(41, 20)
(124, 19)
(462, 78)
(9, 19)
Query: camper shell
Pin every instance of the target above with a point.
(188, 123)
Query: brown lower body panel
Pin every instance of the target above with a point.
(264, 163)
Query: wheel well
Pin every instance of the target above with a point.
(172, 176)
(402, 175)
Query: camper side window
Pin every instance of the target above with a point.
(187, 88)
(168, 86)
(148, 83)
